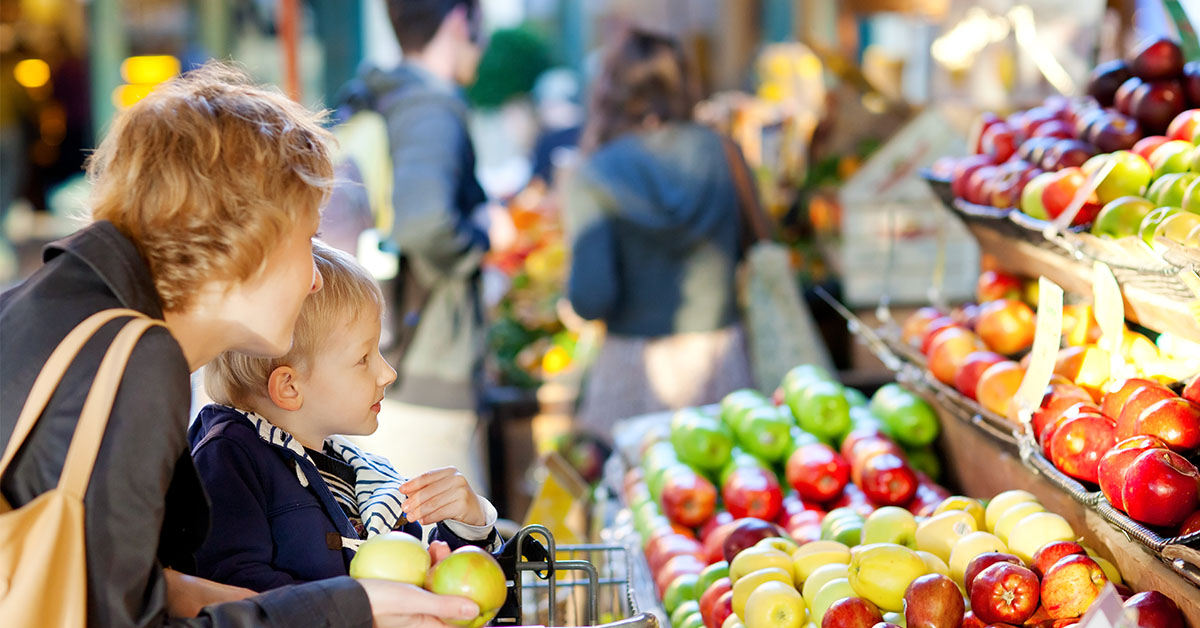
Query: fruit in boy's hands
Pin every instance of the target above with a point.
(394, 555)
(472, 573)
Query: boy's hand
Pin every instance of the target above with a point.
(442, 494)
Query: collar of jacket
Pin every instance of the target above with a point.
(116, 260)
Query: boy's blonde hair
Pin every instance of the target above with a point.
(349, 293)
(207, 174)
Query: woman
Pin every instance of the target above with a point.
(205, 199)
(654, 227)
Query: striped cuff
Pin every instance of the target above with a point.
(468, 532)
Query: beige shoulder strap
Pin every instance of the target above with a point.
(52, 373)
(85, 444)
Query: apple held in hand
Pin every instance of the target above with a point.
(933, 601)
(1160, 488)
(1071, 585)
(1006, 593)
(472, 573)
(394, 555)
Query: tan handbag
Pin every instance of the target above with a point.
(43, 570)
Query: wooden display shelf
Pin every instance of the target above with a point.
(978, 466)
(1144, 307)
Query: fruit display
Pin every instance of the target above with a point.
(834, 527)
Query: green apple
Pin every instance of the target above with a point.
(855, 397)
(821, 409)
(694, 620)
(700, 441)
(835, 517)
(659, 456)
(681, 589)
(1171, 188)
(472, 573)
(1194, 160)
(801, 438)
(392, 555)
(834, 590)
(766, 433)
(1191, 196)
(1121, 217)
(775, 605)
(1172, 156)
(848, 532)
(683, 610)
(1151, 221)
(738, 459)
(751, 581)
(1129, 176)
(880, 573)
(925, 460)
(890, 524)
(711, 574)
(1031, 196)
(912, 421)
(1178, 229)
(736, 403)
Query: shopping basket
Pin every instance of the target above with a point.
(569, 585)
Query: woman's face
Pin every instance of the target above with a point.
(266, 306)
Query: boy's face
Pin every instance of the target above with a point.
(266, 306)
(343, 384)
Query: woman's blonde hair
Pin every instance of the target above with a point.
(349, 293)
(207, 174)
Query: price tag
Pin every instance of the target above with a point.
(1046, 339)
(1110, 314)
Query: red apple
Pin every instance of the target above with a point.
(708, 599)
(963, 171)
(746, 532)
(752, 492)
(969, 620)
(1006, 325)
(977, 190)
(887, 480)
(1190, 525)
(933, 601)
(1071, 585)
(1184, 125)
(983, 561)
(817, 472)
(1005, 592)
(677, 566)
(975, 364)
(999, 141)
(1110, 472)
(1055, 401)
(1046, 436)
(718, 519)
(1156, 104)
(1055, 128)
(1174, 421)
(965, 315)
(949, 350)
(688, 498)
(664, 548)
(1157, 58)
(1061, 191)
(1123, 99)
(1191, 392)
(871, 437)
(1077, 445)
(935, 328)
(722, 609)
(1141, 398)
(1160, 488)
(1146, 145)
(1051, 553)
(851, 612)
(1114, 132)
(981, 124)
(1191, 82)
(1155, 610)
(1067, 154)
(1105, 79)
(917, 324)
(1113, 401)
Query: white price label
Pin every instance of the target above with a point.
(1046, 339)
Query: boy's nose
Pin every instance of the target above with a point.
(387, 376)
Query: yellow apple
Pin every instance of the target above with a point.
(1003, 502)
(815, 554)
(822, 575)
(1110, 570)
(775, 605)
(751, 581)
(968, 504)
(1005, 523)
(755, 558)
(395, 556)
(834, 590)
(781, 543)
(881, 572)
(890, 524)
(1036, 530)
(970, 546)
(939, 534)
(935, 564)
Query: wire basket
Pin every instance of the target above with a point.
(576, 585)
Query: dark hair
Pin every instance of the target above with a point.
(416, 21)
(644, 74)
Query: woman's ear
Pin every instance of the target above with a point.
(283, 387)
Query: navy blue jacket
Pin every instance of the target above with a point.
(267, 529)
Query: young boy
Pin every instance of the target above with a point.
(291, 500)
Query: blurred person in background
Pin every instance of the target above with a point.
(558, 96)
(652, 218)
(442, 227)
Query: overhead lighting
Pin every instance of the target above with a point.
(32, 73)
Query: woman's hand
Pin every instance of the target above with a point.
(442, 494)
(186, 595)
(398, 605)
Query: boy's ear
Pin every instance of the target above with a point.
(283, 387)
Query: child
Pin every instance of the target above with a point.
(291, 500)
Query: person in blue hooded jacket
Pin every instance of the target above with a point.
(653, 224)
(292, 499)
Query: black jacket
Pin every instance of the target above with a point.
(144, 507)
